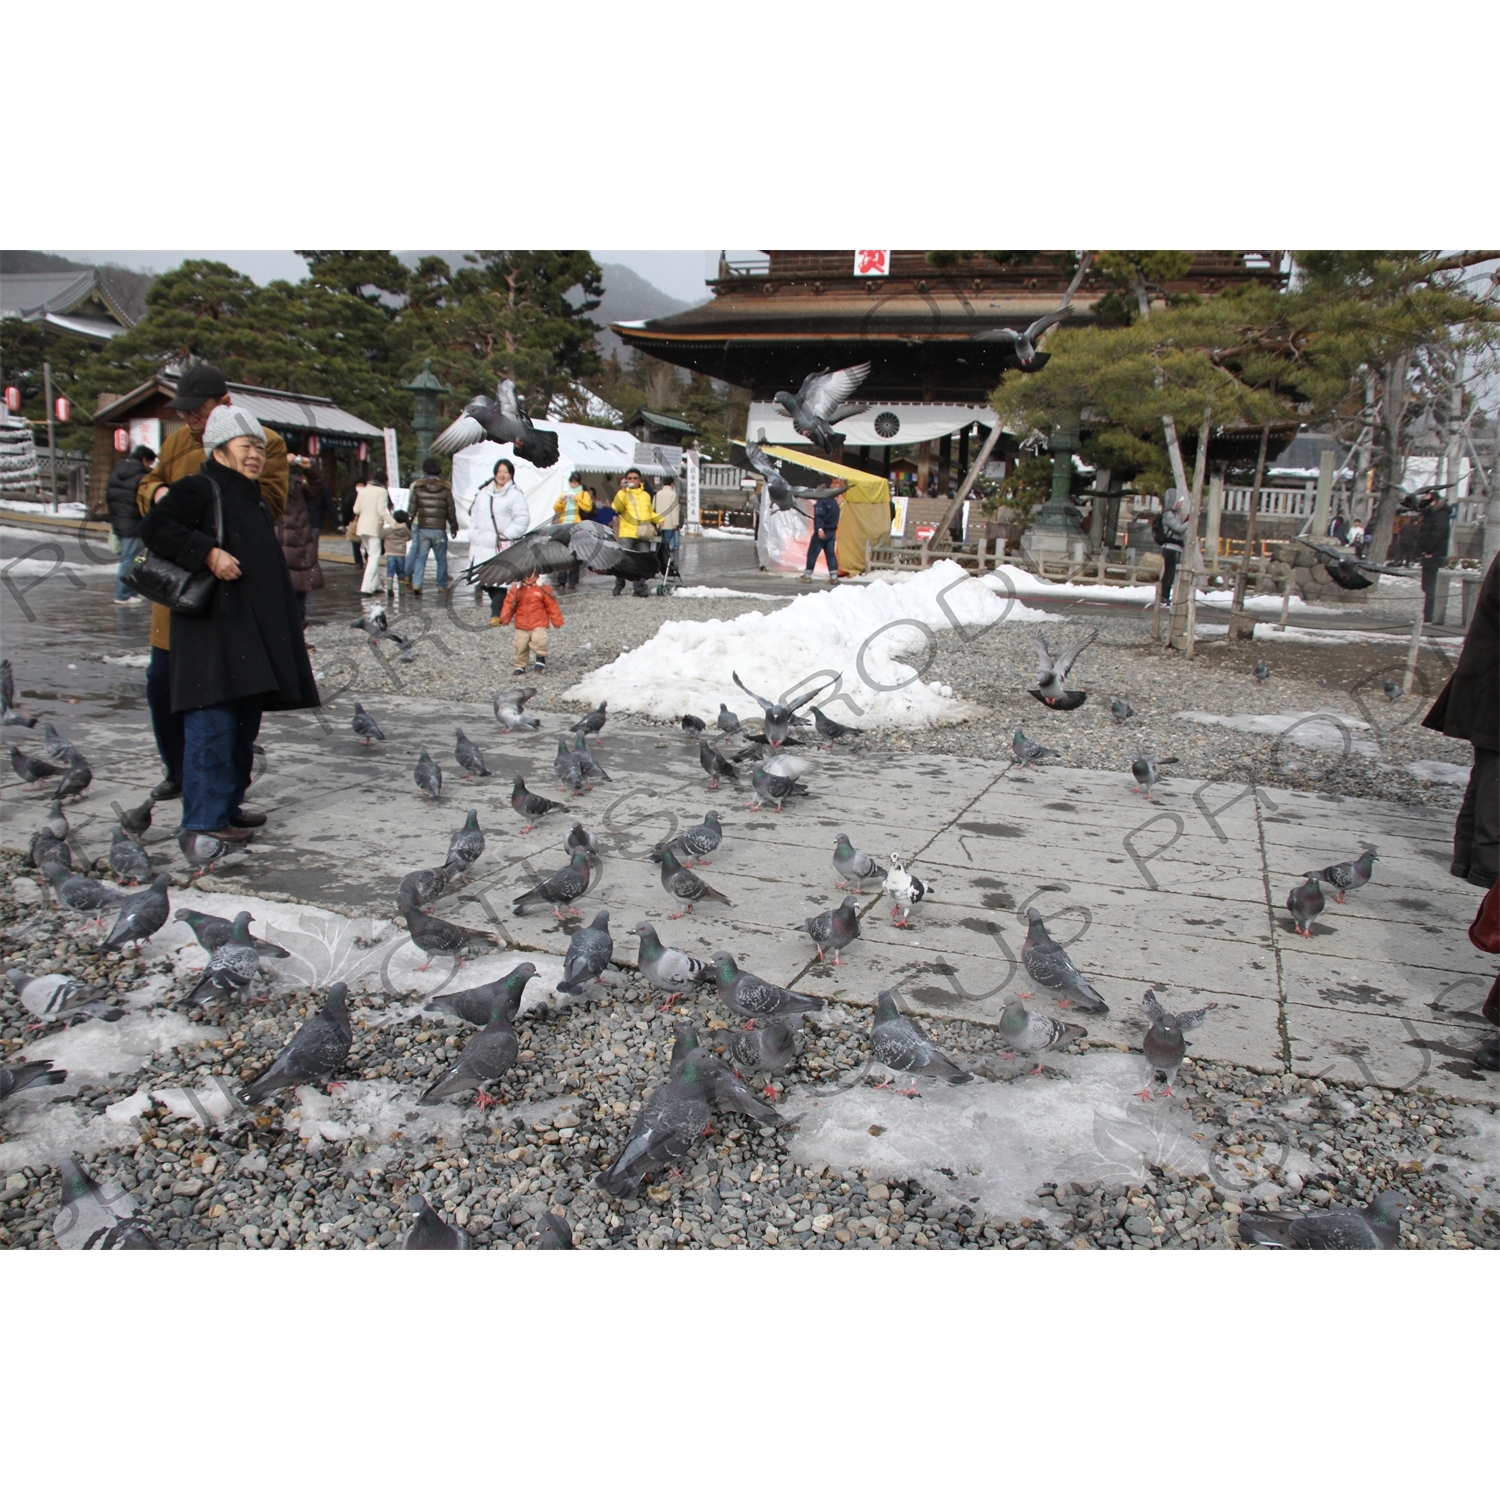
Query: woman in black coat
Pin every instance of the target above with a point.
(246, 655)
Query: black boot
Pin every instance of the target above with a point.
(619, 587)
(1487, 1057)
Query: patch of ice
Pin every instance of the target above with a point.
(141, 660)
(44, 567)
(97, 1050)
(49, 1131)
(702, 591)
(876, 637)
(1439, 770)
(1318, 729)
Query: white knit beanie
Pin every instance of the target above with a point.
(227, 423)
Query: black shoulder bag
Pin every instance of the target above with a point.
(167, 583)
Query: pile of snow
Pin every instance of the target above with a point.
(1444, 771)
(1140, 593)
(875, 637)
(1317, 729)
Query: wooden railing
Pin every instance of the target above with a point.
(1273, 502)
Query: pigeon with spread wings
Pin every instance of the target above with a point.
(822, 401)
(502, 420)
(555, 549)
(1023, 342)
(783, 494)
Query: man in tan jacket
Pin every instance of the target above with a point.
(199, 391)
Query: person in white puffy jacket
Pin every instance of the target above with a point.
(499, 516)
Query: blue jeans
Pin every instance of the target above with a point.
(437, 541)
(129, 546)
(165, 725)
(825, 545)
(216, 762)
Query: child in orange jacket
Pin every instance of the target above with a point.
(533, 606)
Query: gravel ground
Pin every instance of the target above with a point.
(260, 1183)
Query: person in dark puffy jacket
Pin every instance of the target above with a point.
(824, 538)
(124, 517)
(299, 545)
(1433, 527)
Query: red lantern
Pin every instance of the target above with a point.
(122, 440)
(12, 399)
(363, 452)
(63, 407)
(312, 446)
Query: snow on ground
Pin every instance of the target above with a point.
(1439, 770)
(860, 633)
(702, 591)
(143, 659)
(69, 509)
(1317, 729)
(1025, 583)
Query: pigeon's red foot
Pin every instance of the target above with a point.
(1339, 897)
(422, 968)
(770, 1092)
(672, 916)
(1036, 1070)
(841, 885)
(908, 1093)
(668, 1002)
(885, 1083)
(1166, 1093)
(1143, 1093)
(1062, 1004)
(837, 959)
(484, 1100)
(333, 1084)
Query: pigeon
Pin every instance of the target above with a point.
(15, 1078)
(77, 775)
(589, 953)
(834, 929)
(1377, 1227)
(55, 824)
(423, 887)
(141, 915)
(694, 843)
(79, 893)
(1049, 674)
(905, 889)
(531, 806)
(434, 936)
(467, 845)
(57, 997)
(592, 723)
(502, 420)
(580, 838)
(374, 625)
(137, 820)
(7, 685)
(9, 715)
(231, 967)
(31, 770)
(728, 721)
(57, 745)
(1121, 710)
(686, 886)
(768, 786)
(313, 1055)
(202, 850)
(1064, 702)
(1262, 672)
(98, 1216)
(783, 495)
(1164, 1045)
(128, 859)
(554, 1233)
(1143, 768)
(670, 1123)
(855, 866)
(666, 969)
(430, 1232)
(1350, 875)
(1052, 969)
(211, 933)
(766, 1047)
(1026, 751)
(823, 400)
(499, 1000)
(469, 756)
(1304, 902)
(830, 729)
(1392, 690)
(508, 713)
(726, 1089)
(780, 716)
(747, 995)
(897, 1042)
(586, 763)
(489, 1054)
(715, 764)
(1031, 1032)
(692, 725)
(45, 852)
(429, 776)
(562, 887)
(1029, 359)
(365, 727)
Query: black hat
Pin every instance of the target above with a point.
(195, 386)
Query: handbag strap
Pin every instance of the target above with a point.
(218, 512)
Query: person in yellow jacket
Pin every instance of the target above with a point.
(574, 504)
(199, 391)
(632, 503)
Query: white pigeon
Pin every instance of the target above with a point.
(905, 889)
(51, 997)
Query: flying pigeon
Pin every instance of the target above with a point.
(374, 625)
(31, 770)
(783, 494)
(1377, 1227)
(822, 401)
(748, 995)
(692, 725)
(1165, 1046)
(79, 893)
(666, 969)
(694, 844)
(469, 756)
(502, 420)
(589, 953)
(1029, 359)
(1026, 751)
(831, 729)
(686, 886)
(1050, 675)
(434, 936)
(9, 715)
(508, 706)
(128, 859)
(1031, 1032)
(499, 1000)
(552, 549)
(561, 888)
(489, 1054)
(905, 889)
(897, 1042)
(365, 727)
(531, 806)
(554, 1233)
(728, 721)
(202, 850)
(715, 764)
(1262, 672)
(1304, 902)
(855, 866)
(429, 776)
(586, 762)
(1350, 875)
(313, 1055)
(1143, 768)
(1121, 710)
(1051, 968)
(98, 1216)
(670, 1123)
(211, 933)
(141, 915)
(15, 1078)
(592, 722)
(57, 997)
(763, 1047)
(834, 929)
(429, 1232)
(780, 716)
(137, 820)
(467, 845)
(231, 967)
